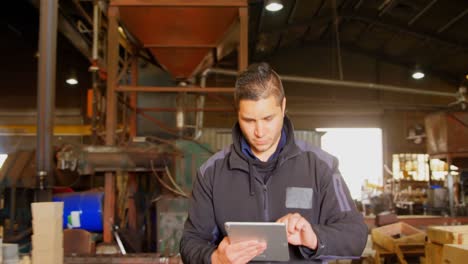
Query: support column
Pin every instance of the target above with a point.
(46, 97)
(132, 179)
(111, 118)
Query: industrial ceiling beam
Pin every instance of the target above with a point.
(422, 12)
(191, 46)
(178, 89)
(387, 23)
(180, 3)
(386, 6)
(449, 77)
(71, 33)
(452, 21)
(400, 27)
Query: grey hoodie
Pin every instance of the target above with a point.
(302, 179)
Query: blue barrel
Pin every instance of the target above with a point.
(82, 210)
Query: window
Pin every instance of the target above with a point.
(3, 157)
(360, 155)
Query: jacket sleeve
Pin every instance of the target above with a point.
(342, 232)
(200, 233)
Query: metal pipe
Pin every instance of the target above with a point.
(96, 16)
(372, 86)
(208, 71)
(322, 81)
(450, 192)
(199, 116)
(46, 95)
(12, 210)
(339, 59)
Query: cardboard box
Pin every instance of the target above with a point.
(399, 233)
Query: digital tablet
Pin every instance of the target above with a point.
(274, 234)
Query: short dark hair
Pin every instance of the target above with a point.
(258, 81)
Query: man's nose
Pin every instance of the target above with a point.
(259, 129)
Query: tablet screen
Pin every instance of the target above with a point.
(274, 234)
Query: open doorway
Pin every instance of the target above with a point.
(359, 152)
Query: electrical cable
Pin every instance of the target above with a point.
(168, 173)
(165, 185)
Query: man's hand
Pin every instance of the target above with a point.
(299, 230)
(238, 253)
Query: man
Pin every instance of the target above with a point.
(267, 176)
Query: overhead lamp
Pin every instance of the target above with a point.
(72, 81)
(273, 5)
(418, 74)
(71, 77)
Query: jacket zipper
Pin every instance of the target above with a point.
(265, 203)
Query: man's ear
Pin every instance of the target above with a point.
(283, 106)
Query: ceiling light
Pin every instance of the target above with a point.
(417, 73)
(273, 5)
(72, 81)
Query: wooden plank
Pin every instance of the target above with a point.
(181, 3)
(448, 234)
(455, 254)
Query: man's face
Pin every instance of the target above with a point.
(261, 123)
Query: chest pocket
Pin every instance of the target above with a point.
(298, 197)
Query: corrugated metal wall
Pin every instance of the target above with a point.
(219, 138)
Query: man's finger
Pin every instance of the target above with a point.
(236, 251)
(249, 255)
(302, 224)
(293, 220)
